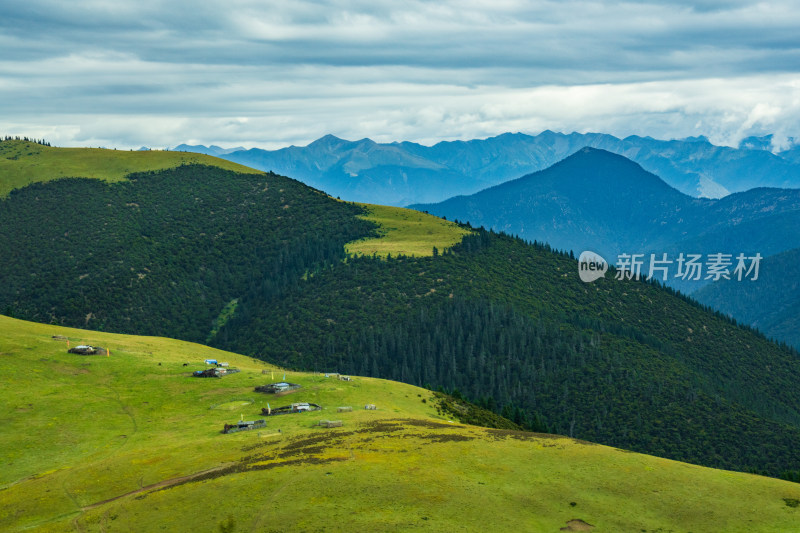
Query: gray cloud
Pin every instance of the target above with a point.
(272, 73)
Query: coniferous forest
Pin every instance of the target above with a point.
(162, 253)
(255, 264)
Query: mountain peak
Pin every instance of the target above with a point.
(208, 150)
(697, 139)
(591, 150)
(366, 141)
(756, 143)
(328, 141)
(591, 172)
(590, 153)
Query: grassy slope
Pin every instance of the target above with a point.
(81, 430)
(24, 162)
(407, 232)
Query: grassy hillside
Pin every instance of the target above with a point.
(511, 326)
(130, 442)
(256, 264)
(405, 232)
(23, 162)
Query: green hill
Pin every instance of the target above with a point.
(131, 442)
(256, 264)
(511, 326)
(162, 253)
(600, 201)
(405, 232)
(24, 162)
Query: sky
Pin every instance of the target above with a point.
(268, 74)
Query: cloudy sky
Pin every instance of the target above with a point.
(273, 73)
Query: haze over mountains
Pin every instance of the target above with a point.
(599, 201)
(659, 206)
(596, 200)
(402, 173)
(256, 263)
(208, 150)
(772, 305)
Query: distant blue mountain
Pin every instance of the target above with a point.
(402, 173)
(792, 154)
(363, 170)
(600, 201)
(208, 150)
(756, 143)
(772, 304)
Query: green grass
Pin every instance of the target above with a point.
(407, 232)
(224, 315)
(78, 431)
(22, 163)
(234, 405)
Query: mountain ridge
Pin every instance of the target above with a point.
(450, 168)
(598, 200)
(258, 262)
(780, 317)
(23, 163)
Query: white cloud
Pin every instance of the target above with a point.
(270, 74)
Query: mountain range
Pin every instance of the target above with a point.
(255, 263)
(772, 305)
(208, 150)
(600, 201)
(402, 173)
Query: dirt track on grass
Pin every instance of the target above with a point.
(160, 484)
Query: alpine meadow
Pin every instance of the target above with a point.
(492, 375)
(378, 266)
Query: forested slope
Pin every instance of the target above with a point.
(162, 253)
(255, 263)
(511, 326)
(779, 286)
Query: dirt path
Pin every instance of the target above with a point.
(160, 484)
